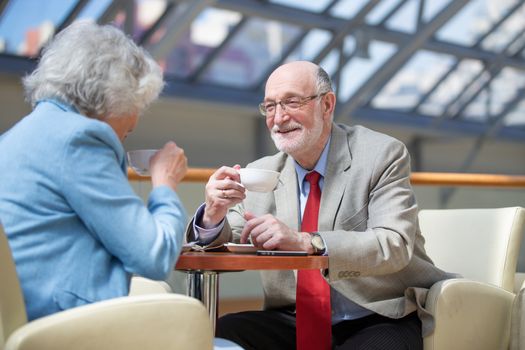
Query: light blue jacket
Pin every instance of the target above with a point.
(75, 226)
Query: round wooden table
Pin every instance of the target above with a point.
(203, 269)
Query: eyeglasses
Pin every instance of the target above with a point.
(289, 104)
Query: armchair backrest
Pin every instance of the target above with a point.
(12, 308)
(480, 244)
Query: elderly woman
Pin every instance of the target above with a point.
(76, 228)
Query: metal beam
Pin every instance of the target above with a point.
(170, 7)
(280, 13)
(3, 5)
(246, 101)
(111, 11)
(16, 65)
(217, 51)
(344, 30)
(290, 48)
(176, 26)
(424, 125)
(392, 66)
(312, 20)
(392, 12)
(494, 69)
(72, 15)
(420, 11)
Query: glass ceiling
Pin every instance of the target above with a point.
(458, 61)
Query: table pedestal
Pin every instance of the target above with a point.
(204, 286)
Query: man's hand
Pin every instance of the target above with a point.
(269, 233)
(223, 191)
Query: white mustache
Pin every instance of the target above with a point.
(286, 128)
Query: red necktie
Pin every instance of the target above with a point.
(313, 312)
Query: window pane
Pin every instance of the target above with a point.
(405, 19)
(358, 70)
(27, 24)
(474, 20)
(452, 86)
(379, 11)
(347, 8)
(517, 116)
(251, 52)
(144, 14)
(315, 6)
(94, 9)
(206, 32)
(414, 80)
(500, 38)
(311, 45)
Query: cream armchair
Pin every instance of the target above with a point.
(482, 245)
(156, 321)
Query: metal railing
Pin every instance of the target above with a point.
(416, 178)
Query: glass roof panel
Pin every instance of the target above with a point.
(147, 12)
(501, 37)
(94, 9)
(515, 118)
(311, 45)
(315, 6)
(358, 70)
(330, 62)
(405, 19)
(479, 109)
(379, 11)
(206, 32)
(26, 25)
(347, 8)
(414, 80)
(432, 8)
(452, 86)
(504, 88)
(248, 55)
(474, 20)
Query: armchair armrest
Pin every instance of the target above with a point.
(142, 286)
(165, 321)
(469, 315)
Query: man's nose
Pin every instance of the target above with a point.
(281, 115)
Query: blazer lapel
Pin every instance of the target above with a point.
(335, 182)
(286, 196)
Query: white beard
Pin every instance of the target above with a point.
(296, 144)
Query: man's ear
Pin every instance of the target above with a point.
(328, 104)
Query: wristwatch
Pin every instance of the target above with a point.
(318, 243)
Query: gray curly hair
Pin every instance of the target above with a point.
(97, 69)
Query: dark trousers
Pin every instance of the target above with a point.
(275, 329)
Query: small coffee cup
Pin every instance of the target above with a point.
(259, 180)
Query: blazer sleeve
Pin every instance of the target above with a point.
(147, 240)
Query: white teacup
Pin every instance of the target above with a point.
(259, 180)
(139, 160)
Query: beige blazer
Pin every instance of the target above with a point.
(368, 219)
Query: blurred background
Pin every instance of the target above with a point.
(447, 77)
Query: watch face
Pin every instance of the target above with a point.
(318, 243)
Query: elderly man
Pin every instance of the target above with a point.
(343, 192)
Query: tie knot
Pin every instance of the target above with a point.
(313, 178)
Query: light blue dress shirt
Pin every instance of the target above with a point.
(342, 308)
(76, 228)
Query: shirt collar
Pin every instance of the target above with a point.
(320, 167)
(66, 107)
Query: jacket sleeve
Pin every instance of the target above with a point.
(147, 240)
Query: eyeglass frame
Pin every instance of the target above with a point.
(303, 102)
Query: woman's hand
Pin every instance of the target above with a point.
(168, 166)
(223, 191)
